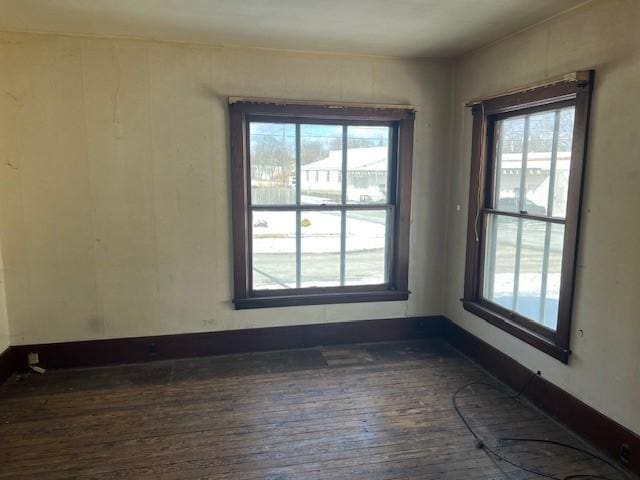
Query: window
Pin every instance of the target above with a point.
(524, 207)
(300, 239)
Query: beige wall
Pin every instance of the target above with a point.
(114, 196)
(4, 320)
(604, 369)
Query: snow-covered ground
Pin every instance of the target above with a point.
(529, 284)
(275, 232)
(529, 298)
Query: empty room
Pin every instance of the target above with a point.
(319, 239)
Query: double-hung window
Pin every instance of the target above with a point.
(524, 207)
(321, 202)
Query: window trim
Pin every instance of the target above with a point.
(402, 120)
(575, 89)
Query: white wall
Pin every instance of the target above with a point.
(604, 369)
(114, 191)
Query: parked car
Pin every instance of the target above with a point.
(260, 223)
(512, 204)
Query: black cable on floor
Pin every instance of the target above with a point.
(560, 444)
(493, 454)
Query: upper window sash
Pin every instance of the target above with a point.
(306, 176)
(558, 147)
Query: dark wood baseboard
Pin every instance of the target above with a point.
(600, 430)
(141, 349)
(7, 363)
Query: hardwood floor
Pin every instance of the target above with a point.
(376, 411)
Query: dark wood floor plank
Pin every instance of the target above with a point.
(59, 405)
(374, 412)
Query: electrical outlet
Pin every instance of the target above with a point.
(33, 358)
(625, 453)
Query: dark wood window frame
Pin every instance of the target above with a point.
(400, 119)
(574, 89)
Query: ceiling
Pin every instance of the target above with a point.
(408, 28)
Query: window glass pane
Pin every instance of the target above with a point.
(320, 248)
(508, 163)
(366, 242)
(273, 249)
(565, 141)
(500, 260)
(367, 164)
(553, 273)
(528, 298)
(540, 149)
(273, 163)
(523, 261)
(321, 164)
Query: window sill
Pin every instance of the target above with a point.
(320, 299)
(518, 331)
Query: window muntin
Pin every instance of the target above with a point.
(523, 256)
(329, 233)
